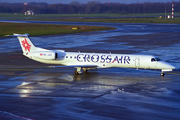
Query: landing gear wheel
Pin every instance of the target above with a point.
(85, 70)
(162, 74)
(76, 72)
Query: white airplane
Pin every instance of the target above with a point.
(87, 61)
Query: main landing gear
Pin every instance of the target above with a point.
(78, 71)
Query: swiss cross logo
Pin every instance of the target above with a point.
(26, 45)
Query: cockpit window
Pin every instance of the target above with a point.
(155, 59)
(158, 59)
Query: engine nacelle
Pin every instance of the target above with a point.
(47, 55)
(60, 55)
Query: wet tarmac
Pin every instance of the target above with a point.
(31, 91)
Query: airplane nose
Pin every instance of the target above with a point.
(171, 66)
(168, 66)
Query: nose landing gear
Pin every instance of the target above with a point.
(162, 74)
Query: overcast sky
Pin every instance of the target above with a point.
(85, 1)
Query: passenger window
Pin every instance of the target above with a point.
(66, 56)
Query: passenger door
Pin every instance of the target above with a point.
(137, 62)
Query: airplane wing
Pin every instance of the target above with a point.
(75, 66)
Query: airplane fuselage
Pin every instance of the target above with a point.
(87, 61)
(102, 60)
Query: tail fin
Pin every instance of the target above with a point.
(26, 44)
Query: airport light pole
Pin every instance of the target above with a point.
(172, 10)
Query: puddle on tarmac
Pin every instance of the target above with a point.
(10, 116)
(12, 83)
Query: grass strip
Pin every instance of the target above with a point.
(123, 20)
(46, 29)
(86, 15)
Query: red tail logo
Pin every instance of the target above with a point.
(26, 45)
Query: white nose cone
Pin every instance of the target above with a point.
(170, 66)
(167, 67)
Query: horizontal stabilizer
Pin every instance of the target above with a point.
(18, 35)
